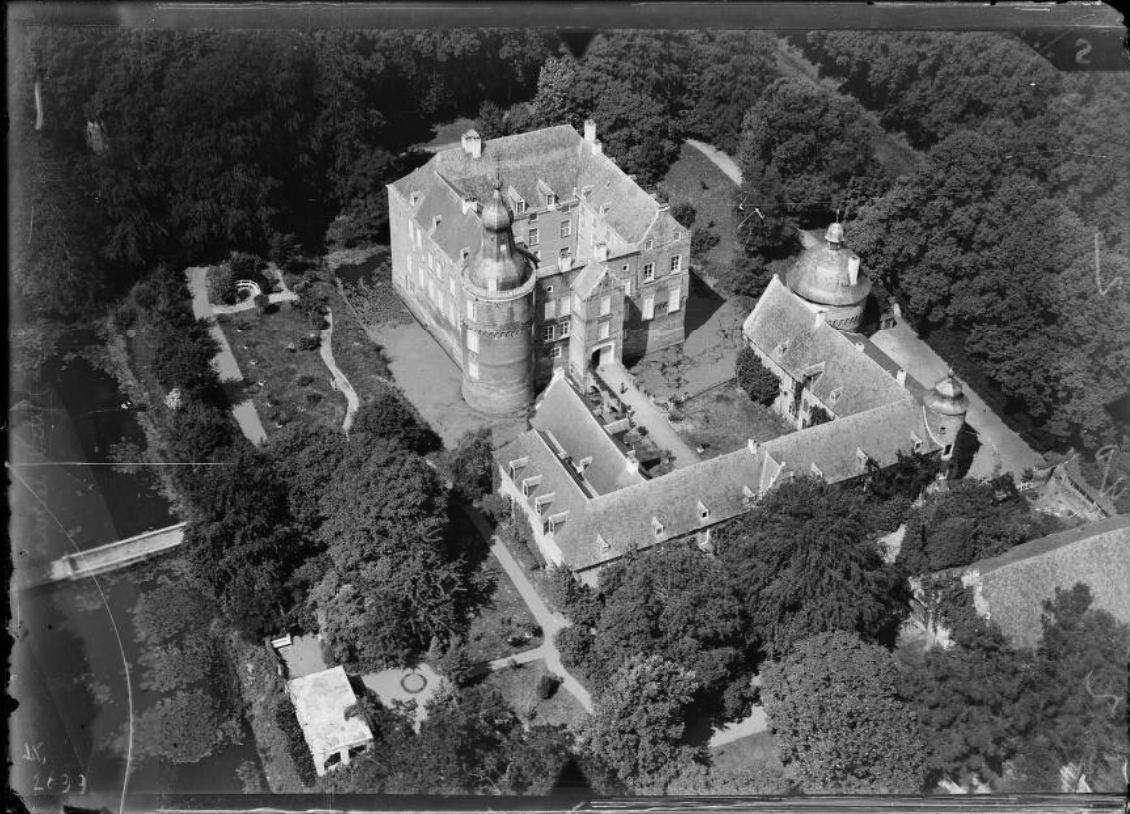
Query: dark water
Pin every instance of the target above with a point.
(75, 640)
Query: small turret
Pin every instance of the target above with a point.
(946, 406)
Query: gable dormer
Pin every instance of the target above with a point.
(518, 464)
(702, 511)
(530, 484)
(656, 527)
(602, 545)
(747, 496)
(862, 459)
(541, 501)
(548, 196)
(517, 202)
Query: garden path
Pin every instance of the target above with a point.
(549, 621)
(720, 159)
(340, 382)
(245, 413)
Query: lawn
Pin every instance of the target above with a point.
(519, 687)
(285, 385)
(694, 179)
(506, 615)
(723, 420)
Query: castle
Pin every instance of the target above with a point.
(534, 253)
(536, 263)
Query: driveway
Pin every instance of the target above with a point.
(549, 621)
(721, 160)
(1000, 446)
(245, 413)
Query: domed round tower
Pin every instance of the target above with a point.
(497, 322)
(828, 276)
(946, 405)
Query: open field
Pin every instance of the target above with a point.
(723, 420)
(519, 688)
(285, 385)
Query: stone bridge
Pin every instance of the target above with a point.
(104, 558)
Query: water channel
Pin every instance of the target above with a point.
(75, 640)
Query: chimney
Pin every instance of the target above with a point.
(859, 346)
(602, 251)
(472, 144)
(597, 148)
(900, 377)
(752, 446)
(853, 269)
(469, 205)
(819, 318)
(590, 131)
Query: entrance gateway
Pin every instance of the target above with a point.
(602, 355)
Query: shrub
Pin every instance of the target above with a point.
(702, 241)
(221, 285)
(313, 399)
(245, 266)
(287, 720)
(547, 686)
(755, 378)
(576, 645)
(310, 342)
(684, 213)
(304, 380)
(261, 302)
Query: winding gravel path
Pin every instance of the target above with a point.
(340, 383)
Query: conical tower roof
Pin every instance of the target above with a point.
(947, 397)
(497, 265)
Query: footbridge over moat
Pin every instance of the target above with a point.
(105, 558)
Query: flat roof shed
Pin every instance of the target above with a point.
(320, 702)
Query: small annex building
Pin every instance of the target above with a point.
(579, 483)
(1011, 589)
(320, 702)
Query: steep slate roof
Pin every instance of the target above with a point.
(1016, 583)
(781, 320)
(557, 156)
(563, 412)
(622, 510)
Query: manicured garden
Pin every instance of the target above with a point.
(523, 688)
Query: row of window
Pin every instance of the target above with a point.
(559, 330)
(533, 235)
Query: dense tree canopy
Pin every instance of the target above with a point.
(639, 722)
(677, 603)
(968, 521)
(834, 704)
(805, 562)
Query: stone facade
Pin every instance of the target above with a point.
(578, 219)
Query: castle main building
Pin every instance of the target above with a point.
(535, 252)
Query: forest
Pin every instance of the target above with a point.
(143, 151)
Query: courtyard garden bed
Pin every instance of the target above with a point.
(286, 382)
(519, 686)
(504, 620)
(724, 419)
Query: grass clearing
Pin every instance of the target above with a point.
(723, 420)
(695, 179)
(519, 687)
(285, 385)
(506, 615)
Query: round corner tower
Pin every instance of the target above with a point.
(497, 321)
(828, 276)
(946, 405)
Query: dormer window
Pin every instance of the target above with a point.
(530, 484)
(604, 207)
(518, 464)
(519, 206)
(554, 521)
(602, 544)
(861, 459)
(834, 396)
(816, 471)
(541, 501)
(747, 495)
(703, 512)
(656, 527)
(413, 198)
(916, 441)
(550, 199)
(781, 349)
(584, 463)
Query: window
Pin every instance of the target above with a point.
(648, 272)
(470, 309)
(628, 287)
(409, 264)
(411, 232)
(431, 262)
(649, 245)
(547, 333)
(473, 368)
(419, 239)
(451, 285)
(550, 309)
(519, 206)
(549, 288)
(673, 298)
(676, 263)
(656, 527)
(605, 305)
(565, 307)
(604, 329)
(624, 269)
(649, 306)
(472, 341)
(678, 235)
(550, 199)
(533, 217)
(563, 328)
(533, 236)
(703, 512)
(421, 270)
(555, 352)
(564, 253)
(566, 228)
